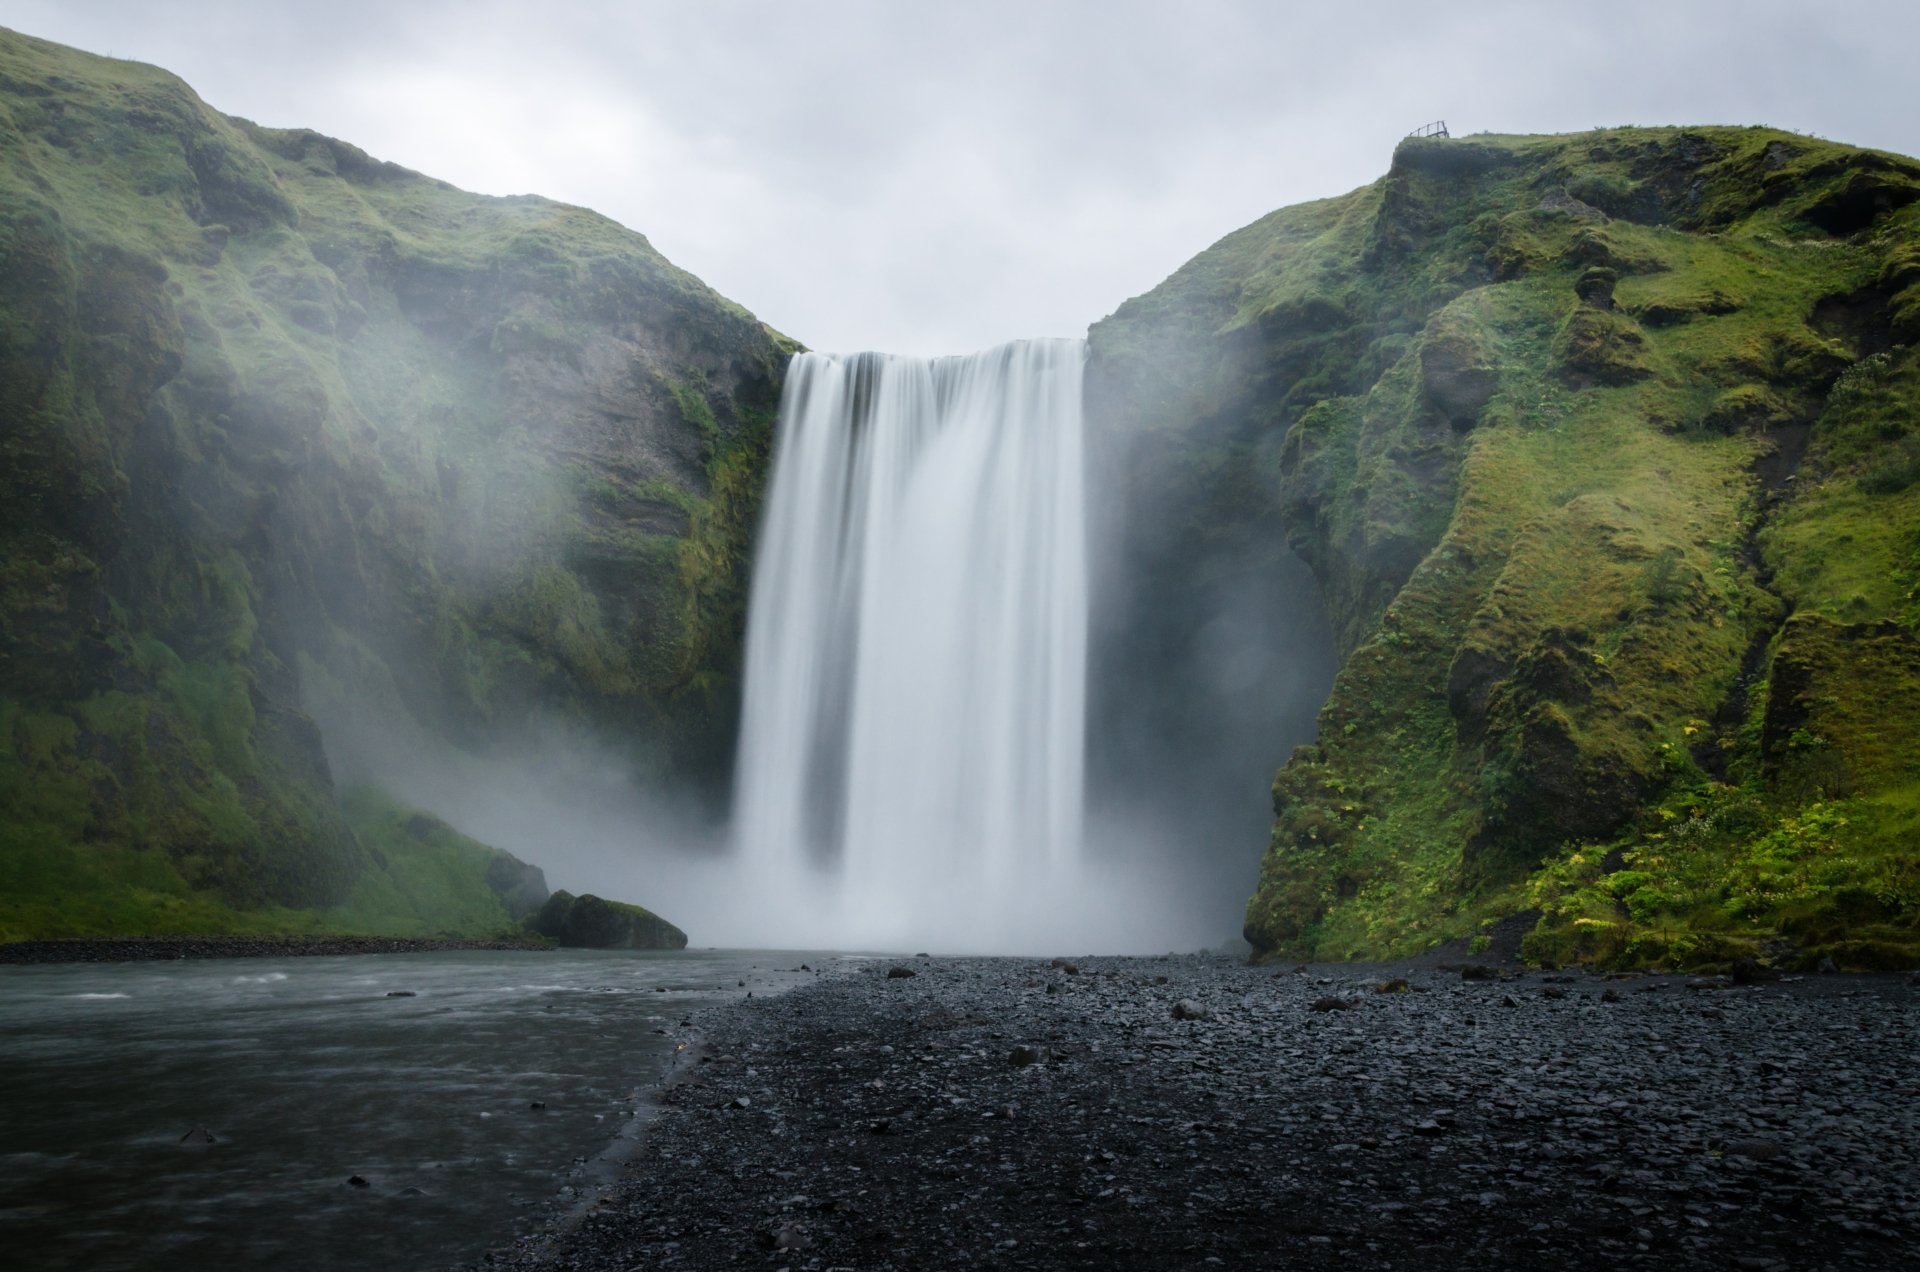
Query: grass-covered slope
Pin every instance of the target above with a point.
(285, 431)
(1605, 452)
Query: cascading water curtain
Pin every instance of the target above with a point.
(913, 732)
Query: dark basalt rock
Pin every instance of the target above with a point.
(591, 922)
(1420, 1132)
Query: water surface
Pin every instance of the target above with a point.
(305, 1072)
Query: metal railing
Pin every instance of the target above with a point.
(1438, 128)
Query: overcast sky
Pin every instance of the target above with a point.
(933, 178)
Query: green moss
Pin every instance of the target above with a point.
(1543, 450)
(286, 425)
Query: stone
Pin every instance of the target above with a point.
(900, 973)
(1758, 1150)
(400, 993)
(1329, 1003)
(591, 922)
(355, 1181)
(1398, 985)
(1188, 1009)
(1024, 1055)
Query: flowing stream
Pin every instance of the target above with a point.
(306, 1073)
(912, 741)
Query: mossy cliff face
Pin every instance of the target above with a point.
(1605, 453)
(287, 430)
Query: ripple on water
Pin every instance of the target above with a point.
(303, 1074)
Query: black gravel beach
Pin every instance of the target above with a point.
(1198, 1112)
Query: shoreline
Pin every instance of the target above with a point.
(132, 949)
(1012, 1113)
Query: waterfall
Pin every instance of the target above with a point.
(912, 737)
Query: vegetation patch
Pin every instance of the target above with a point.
(1604, 462)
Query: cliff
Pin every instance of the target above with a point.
(1602, 450)
(290, 432)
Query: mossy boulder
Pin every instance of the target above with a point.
(590, 922)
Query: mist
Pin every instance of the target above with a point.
(1149, 882)
(1205, 663)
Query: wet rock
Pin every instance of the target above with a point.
(400, 993)
(591, 922)
(1552, 991)
(356, 1181)
(1070, 969)
(1329, 1003)
(1747, 971)
(1758, 1150)
(900, 973)
(1398, 985)
(1610, 995)
(1508, 1000)
(785, 1237)
(539, 1106)
(1577, 1140)
(1189, 1009)
(740, 1102)
(1478, 972)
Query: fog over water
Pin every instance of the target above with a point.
(940, 748)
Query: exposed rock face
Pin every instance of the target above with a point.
(522, 888)
(589, 922)
(1566, 427)
(288, 431)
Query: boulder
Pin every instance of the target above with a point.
(590, 922)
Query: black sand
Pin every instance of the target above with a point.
(868, 1121)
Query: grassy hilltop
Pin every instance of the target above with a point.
(288, 432)
(1605, 452)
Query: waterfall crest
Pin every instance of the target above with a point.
(912, 739)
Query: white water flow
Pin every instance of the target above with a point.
(911, 755)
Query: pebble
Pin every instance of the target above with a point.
(1772, 1129)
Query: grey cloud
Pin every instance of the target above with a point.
(934, 178)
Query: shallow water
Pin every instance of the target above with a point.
(306, 1073)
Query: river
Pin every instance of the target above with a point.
(467, 1089)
